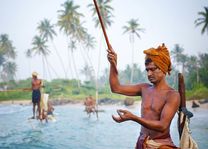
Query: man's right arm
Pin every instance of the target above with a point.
(116, 87)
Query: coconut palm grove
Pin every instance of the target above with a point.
(79, 40)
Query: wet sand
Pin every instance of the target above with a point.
(19, 102)
(80, 103)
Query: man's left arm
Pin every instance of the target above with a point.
(167, 114)
(170, 108)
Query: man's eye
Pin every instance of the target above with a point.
(151, 69)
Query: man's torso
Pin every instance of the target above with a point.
(152, 105)
(36, 84)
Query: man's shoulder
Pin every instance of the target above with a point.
(172, 91)
(146, 85)
(39, 81)
(173, 95)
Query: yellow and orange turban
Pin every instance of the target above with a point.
(160, 56)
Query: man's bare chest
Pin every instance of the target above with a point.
(36, 83)
(153, 101)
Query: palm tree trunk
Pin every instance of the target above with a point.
(89, 59)
(197, 74)
(69, 64)
(93, 68)
(75, 69)
(99, 54)
(60, 59)
(83, 55)
(47, 68)
(132, 58)
(98, 70)
(29, 63)
(44, 75)
(50, 66)
(183, 69)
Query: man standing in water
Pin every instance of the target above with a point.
(36, 94)
(159, 102)
(90, 104)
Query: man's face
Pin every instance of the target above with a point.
(154, 74)
(34, 77)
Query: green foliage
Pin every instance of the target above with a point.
(14, 95)
(8, 54)
(196, 82)
(198, 92)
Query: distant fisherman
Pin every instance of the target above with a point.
(90, 105)
(36, 94)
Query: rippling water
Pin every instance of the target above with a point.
(74, 130)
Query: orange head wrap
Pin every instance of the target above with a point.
(160, 57)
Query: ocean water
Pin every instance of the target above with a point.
(75, 130)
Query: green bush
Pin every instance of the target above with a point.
(198, 92)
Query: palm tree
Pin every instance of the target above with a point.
(2, 60)
(7, 53)
(47, 32)
(177, 54)
(106, 14)
(133, 28)
(69, 17)
(193, 65)
(203, 71)
(89, 43)
(6, 47)
(10, 68)
(72, 47)
(88, 72)
(40, 48)
(179, 58)
(203, 20)
(68, 21)
(183, 61)
(125, 75)
(28, 54)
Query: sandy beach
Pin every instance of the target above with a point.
(80, 103)
(19, 102)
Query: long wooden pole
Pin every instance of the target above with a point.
(103, 28)
(181, 90)
(102, 24)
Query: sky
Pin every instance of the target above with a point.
(164, 21)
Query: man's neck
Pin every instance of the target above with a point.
(161, 85)
(35, 78)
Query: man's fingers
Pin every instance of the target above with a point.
(117, 119)
(111, 49)
(111, 56)
(121, 111)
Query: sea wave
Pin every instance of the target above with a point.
(10, 109)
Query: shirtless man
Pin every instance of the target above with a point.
(36, 95)
(159, 103)
(90, 105)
